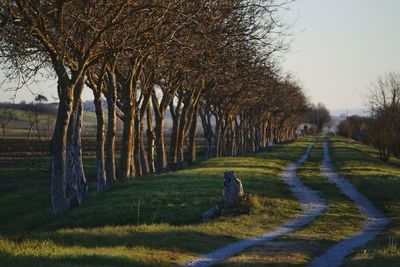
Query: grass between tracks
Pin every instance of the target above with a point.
(380, 183)
(339, 221)
(149, 221)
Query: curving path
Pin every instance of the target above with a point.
(312, 206)
(375, 222)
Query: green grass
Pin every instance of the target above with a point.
(339, 221)
(379, 182)
(108, 230)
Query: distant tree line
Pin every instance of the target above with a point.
(382, 128)
(44, 108)
(319, 115)
(208, 62)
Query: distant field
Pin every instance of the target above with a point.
(18, 145)
(19, 127)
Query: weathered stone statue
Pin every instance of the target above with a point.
(233, 189)
(233, 202)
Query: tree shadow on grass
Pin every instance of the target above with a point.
(72, 261)
(291, 154)
(179, 241)
(176, 198)
(387, 261)
(282, 252)
(173, 199)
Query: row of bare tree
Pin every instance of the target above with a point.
(382, 127)
(208, 61)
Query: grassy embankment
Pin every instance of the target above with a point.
(112, 229)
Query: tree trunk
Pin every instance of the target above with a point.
(181, 136)
(207, 129)
(142, 163)
(58, 150)
(217, 136)
(264, 136)
(137, 151)
(111, 132)
(100, 164)
(233, 138)
(173, 160)
(192, 151)
(79, 155)
(69, 92)
(76, 186)
(246, 137)
(257, 139)
(175, 113)
(222, 140)
(161, 163)
(150, 140)
(143, 153)
(127, 167)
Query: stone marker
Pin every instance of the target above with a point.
(233, 197)
(233, 189)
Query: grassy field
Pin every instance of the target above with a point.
(19, 125)
(150, 221)
(338, 222)
(156, 220)
(17, 131)
(18, 145)
(379, 182)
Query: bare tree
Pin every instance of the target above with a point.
(384, 102)
(68, 38)
(6, 116)
(209, 59)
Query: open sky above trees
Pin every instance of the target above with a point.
(343, 45)
(338, 48)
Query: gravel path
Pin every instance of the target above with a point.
(375, 222)
(312, 206)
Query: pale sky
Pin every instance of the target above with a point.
(343, 45)
(339, 47)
